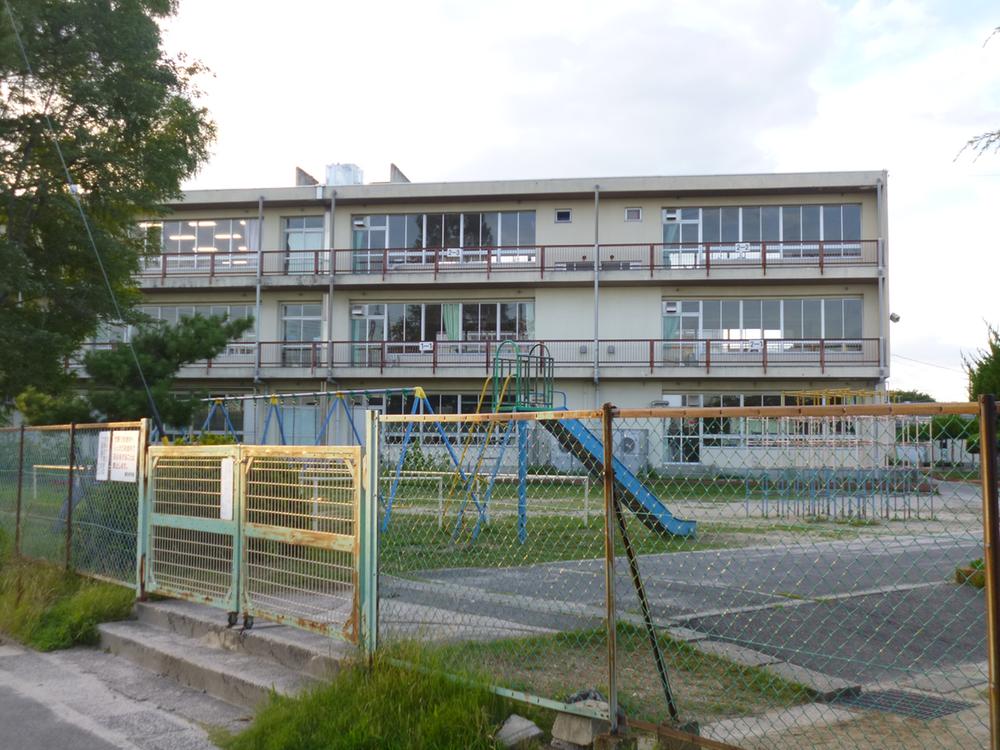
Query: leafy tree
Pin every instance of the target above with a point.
(983, 367)
(124, 117)
(911, 397)
(114, 390)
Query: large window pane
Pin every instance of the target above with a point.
(852, 318)
(852, 221)
(832, 228)
(435, 230)
(526, 228)
(488, 320)
(751, 318)
(432, 321)
(415, 230)
(751, 224)
(793, 319)
(470, 320)
(710, 231)
(508, 228)
(397, 230)
(452, 230)
(526, 320)
(711, 318)
(770, 220)
(833, 318)
(413, 325)
(812, 322)
(810, 222)
(791, 223)
(731, 318)
(730, 224)
(490, 229)
(508, 320)
(470, 230)
(394, 322)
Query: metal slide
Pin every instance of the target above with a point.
(589, 451)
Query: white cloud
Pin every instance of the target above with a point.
(462, 90)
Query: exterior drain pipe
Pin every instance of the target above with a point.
(597, 296)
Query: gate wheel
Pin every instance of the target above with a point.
(247, 622)
(233, 618)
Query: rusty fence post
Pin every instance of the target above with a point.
(20, 490)
(991, 537)
(607, 416)
(69, 497)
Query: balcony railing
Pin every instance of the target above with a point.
(546, 261)
(694, 356)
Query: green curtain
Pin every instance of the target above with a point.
(452, 316)
(671, 325)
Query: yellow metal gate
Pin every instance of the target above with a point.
(300, 536)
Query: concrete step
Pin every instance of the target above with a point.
(236, 677)
(300, 650)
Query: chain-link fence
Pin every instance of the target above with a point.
(807, 576)
(70, 497)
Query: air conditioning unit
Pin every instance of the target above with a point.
(631, 447)
(357, 311)
(669, 307)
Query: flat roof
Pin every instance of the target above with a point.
(574, 187)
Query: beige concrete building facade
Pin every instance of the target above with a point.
(702, 290)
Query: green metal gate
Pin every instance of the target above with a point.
(192, 537)
(266, 531)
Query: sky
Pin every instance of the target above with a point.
(483, 90)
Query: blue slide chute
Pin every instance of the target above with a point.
(589, 451)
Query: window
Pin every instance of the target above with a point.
(564, 215)
(420, 238)
(752, 319)
(302, 322)
(301, 325)
(302, 236)
(414, 322)
(206, 235)
(633, 214)
(730, 224)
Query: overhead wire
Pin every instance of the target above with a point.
(74, 192)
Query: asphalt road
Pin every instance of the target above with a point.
(869, 609)
(85, 699)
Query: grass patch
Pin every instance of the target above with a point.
(706, 687)
(46, 608)
(389, 706)
(414, 542)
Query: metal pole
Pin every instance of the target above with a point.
(260, 271)
(609, 566)
(597, 295)
(329, 291)
(142, 538)
(991, 537)
(20, 488)
(69, 497)
(368, 543)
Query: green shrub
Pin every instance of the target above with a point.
(46, 608)
(389, 706)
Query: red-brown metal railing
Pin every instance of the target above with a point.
(688, 356)
(548, 261)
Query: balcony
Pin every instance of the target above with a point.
(622, 358)
(554, 263)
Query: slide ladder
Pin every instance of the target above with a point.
(588, 449)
